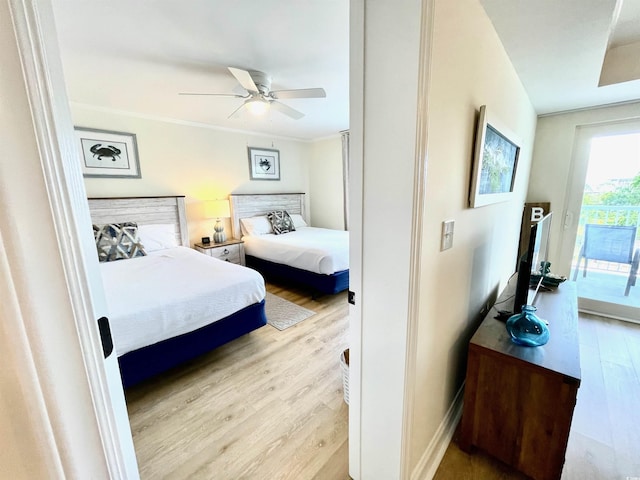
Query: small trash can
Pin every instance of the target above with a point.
(344, 363)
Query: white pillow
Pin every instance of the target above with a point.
(158, 236)
(298, 221)
(259, 225)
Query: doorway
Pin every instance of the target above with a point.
(76, 200)
(606, 250)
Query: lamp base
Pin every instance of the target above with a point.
(219, 235)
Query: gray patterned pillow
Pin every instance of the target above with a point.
(281, 222)
(117, 241)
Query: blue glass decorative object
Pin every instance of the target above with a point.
(527, 329)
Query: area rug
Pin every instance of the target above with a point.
(283, 314)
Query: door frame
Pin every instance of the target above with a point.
(34, 23)
(573, 205)
(111, 447)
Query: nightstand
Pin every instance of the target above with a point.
(230, 251)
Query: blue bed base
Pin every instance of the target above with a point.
(146, 362)
(329, 284)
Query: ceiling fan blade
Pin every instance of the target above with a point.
(244, 78)
(236, 111)
(300, 93)
(231, 95)
(287, 110)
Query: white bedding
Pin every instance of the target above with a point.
(318, 250)
(171, 292)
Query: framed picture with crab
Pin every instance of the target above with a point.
(264, 164)
(108, 154)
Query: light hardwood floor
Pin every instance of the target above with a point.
(268, 405)
(604, 442)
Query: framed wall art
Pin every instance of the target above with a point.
(264, 164)
(108, 154)
(495, 162)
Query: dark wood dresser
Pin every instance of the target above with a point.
(519, 401)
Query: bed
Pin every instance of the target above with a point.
(172, 304)
(314, 257)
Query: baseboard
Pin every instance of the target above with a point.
(623, 318)
(431, 458)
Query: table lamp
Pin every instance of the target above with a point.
(218, 209)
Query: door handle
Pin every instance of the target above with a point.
(105, 336)
(568, 219)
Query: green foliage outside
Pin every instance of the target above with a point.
(627, 195)
(622, 196)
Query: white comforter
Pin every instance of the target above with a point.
(318, 250)
(171, 292)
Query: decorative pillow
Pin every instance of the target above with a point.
(281, 222)
(298, 221)
(157, 236)
(117, 241)
(259, 225)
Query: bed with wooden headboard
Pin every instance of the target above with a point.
(245, 206)
(155, 277)
(145, 211)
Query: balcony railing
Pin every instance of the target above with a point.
(609, 215)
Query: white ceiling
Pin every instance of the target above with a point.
(558, 48)
(136, 56)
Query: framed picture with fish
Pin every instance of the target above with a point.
(264, 164)
(108, 154)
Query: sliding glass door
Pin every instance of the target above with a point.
(604, 209)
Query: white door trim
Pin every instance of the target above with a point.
(356, 167)
(42, 70)
(381, 408)
(419, 187)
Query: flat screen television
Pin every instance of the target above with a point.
(532, 263)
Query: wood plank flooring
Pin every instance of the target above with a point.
(604, 442)
(268, 405)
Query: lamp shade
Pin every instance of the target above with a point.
(217, 209)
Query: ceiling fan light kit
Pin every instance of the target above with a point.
(257, 105)
(260, 98)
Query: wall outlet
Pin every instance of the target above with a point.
(446, 242)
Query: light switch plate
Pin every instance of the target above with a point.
(446, 242)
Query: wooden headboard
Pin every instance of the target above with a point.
(143, 211)
(251, 205)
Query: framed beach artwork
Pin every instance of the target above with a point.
(108, 154)
(264, 164)
(495, 162)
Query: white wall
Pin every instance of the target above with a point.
(383, 131)
(469, 68)
(552, 171)
(326, 189)
(199, 162)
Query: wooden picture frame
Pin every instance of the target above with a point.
(264, 164)
(108, 154)
(495, 162)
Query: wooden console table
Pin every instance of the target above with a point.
(519, 401)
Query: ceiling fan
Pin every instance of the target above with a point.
(259, 97)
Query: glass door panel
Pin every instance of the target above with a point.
(607, 247)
